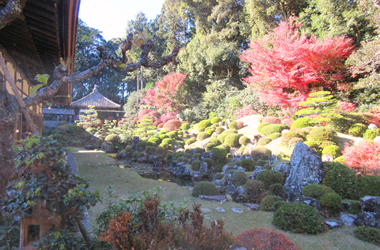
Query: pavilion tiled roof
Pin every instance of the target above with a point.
(95, 99)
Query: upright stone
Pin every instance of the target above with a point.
(305, 169)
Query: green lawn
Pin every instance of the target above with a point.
(93, 166)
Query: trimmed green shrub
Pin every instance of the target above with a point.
(219, 130)
(369, 185)
(254, 190)
(168, 141)
(261, 126)
(332, 202)
(292, 142)
(324, 144)
(368, 234)
(178, 155)
(205, 188)
(210, 131)
(355, 207)
(276, 189)
(316, 190)
(111, 138)
(169, 156)
(298, 218)
(185, 126)
(166, 146)
(277, 204)
(341, 179)
(75, 129)
(303, 122)
(244, 140)
(314, 146)
(273, 128)
(332, 150)
(203, 124)
(219, 153)
(357, 129)
(261, 153)
(197, 155)
(163, 136)
(172, 134)
(215, 141)
(141, 144)
(202, 135)
(238, 178)
(154, 140)
(222, 137)
(195, 165)
(232, 125)
(218, 176)
(209, 161)
(209, 147)
(339, 159)
(190, 141)
(286, 137)
(232, 140)
(201, 130)
(269, 177)
(267, 202)
(371, 133)
(199, 150)
(263, 141)
(343, 124)
(247, 164)
(215, 120)
(274, 136)
(321, 134)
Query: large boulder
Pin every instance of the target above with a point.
(370, 204)
(367, 219)
(179, 170)
(305, 169)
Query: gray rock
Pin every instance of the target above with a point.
(237, 247)
(347, 219)
(217, 198)
(255, 139)
(283, 168)
(217, 182)
(106, 147)
(135, 140)
(309, 201)
(231, 189)
(249, 148)
(205, 210)
(370, 204)
(203, 169)
(333, 224)
(367, 219)
(235, 152)
(272, 159)
(305, 169)
(237, 210)
(372, 126)
(220, 210)
(227, 168)
(251, 206)
(227, 179)
(258, 169)
(179, 170)
(240, 190)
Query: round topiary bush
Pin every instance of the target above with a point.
(298, 218)
(286, 137)
(185, 126)
(269, 177)
(263, 141)
(369, 185)
(277, 204)
(202, 135)
(368, 234)
(232, 140)
(324, 144)
(75, 129)
(215, 120)
(355, 207)
(357, 129)
(238, 178)
(316, 190)
(267, 202)
(314, 146)
(219, 130)
(172, 134)
(172, 125)
(253, 191)
(321, 134)
(263, 238)
(272, 120)
(240, 124)
(332, 202)
(197, 155)
(232, 125)
(303, 122)
(273, 128)
(190, 141)
(371, 133)
(261, 126)
(111, 138)
(168, 141)
(274, 136)
(261, 153)
(244, 140)
(247, 164)
(195, 165)
(332, 150)
(210, 131)
(341, 179)
(292, 142)
(218, 176)
(209, 161)
(205, 188)
(219, 153)
(215, 141)
(276, 189)
(163, 136)
(141, 145)
(201, 130)
(209, 147)
(203, 124)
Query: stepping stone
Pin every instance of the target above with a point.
(237, 210)
(251, 206)
(333, 224)
(217, 198)
(219, 209)
(205, 210)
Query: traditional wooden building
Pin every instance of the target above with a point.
(34, 43)
(99, 101)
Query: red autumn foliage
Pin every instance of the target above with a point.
(143, 113)
(160, 125)
(240, 124)
(363, 158)
(286, 65)
(168, 116)
(272, 120)
(288, 122)
(172, 125)
(346, 107)
(246, 111)
(264, 239)
(166, 93)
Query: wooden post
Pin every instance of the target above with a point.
(9, 79)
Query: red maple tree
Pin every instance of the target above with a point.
(286, 65)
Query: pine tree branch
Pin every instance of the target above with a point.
(11, 11)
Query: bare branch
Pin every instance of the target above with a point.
(11, 11)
